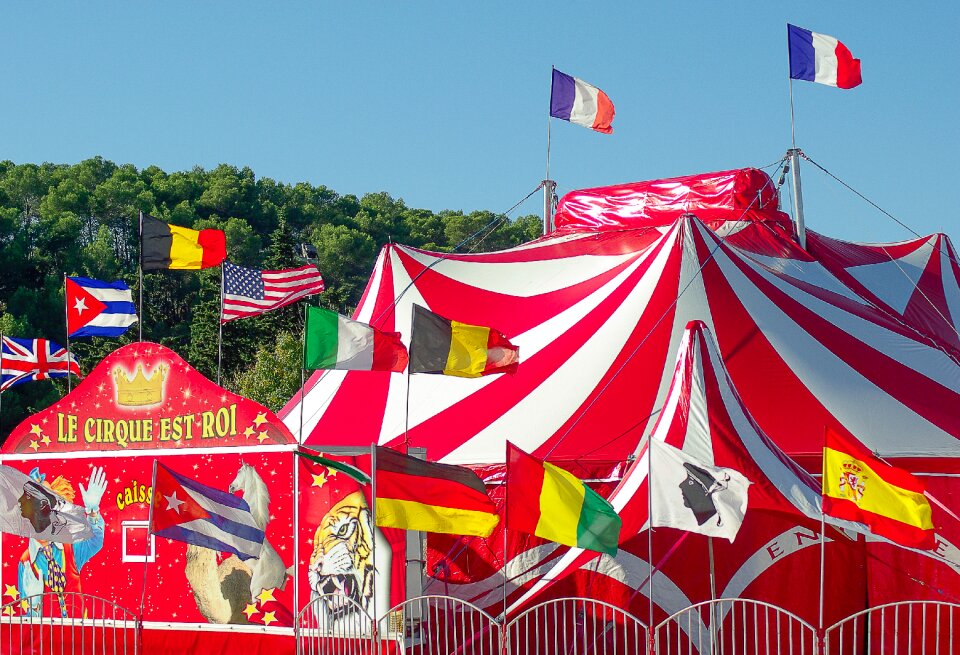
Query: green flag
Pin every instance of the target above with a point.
(332, 341)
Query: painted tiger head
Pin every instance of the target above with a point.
(341, 565)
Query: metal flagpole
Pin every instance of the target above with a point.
(547, 182)
(140, 269)
(373, 535)
(303, 356)
(66, 316)
(220, 333)
(823, 472)
(506, 508)
(713, 597)
(650, 629)
(406, 413)
(146, 557)
(1, 380)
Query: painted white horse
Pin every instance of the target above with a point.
(267, 571)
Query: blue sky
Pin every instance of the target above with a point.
(445, 104)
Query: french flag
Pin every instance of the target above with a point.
(576, 101)
(821, 58)
(98, 309)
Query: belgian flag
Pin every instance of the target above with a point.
(439, 345)
(416, 495)
(165, 246)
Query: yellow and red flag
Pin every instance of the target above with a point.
(416, 495)
(859, 486)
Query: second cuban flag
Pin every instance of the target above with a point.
(98, 309)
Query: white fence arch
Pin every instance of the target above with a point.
(901, 628)
(575, 626)
(334, 625)
(440, 625)
(733, 626)
(68, 622)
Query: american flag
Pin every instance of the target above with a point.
(248, 292)
(24, 360)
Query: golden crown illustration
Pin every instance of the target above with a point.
(140, 390)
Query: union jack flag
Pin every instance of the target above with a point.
(24, 360)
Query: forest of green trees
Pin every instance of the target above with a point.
(82, 220)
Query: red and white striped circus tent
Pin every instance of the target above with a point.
(855, 336)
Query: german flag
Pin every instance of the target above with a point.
(439, 345)
(164, 246)
(416, 495)
(858, 486)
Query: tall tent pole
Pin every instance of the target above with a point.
(140, 269)
(220, 333)
(794, 154)
(66, 317)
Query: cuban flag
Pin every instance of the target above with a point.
(98, 309)
(576, 101)
(26, 360)
(822, 59)
(185, 510)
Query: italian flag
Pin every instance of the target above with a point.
(332, 341)
(549, 502)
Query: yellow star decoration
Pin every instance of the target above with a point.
(11, 591)
(260, 420)
(24, 605)
(35, 429)
(249, 432)
(8, 610)
(265, 596)
(332, 473)
(250, 610)
(45, 441)
(262, 436)
(269, 617)
(35, 445)
(318, 480)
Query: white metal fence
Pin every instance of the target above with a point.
(575, 626)
(734, 626)
(905, 628)
(68, 623)
(80, 624)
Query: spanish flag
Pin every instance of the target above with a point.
(439, 345)
(416, 495)
(550, 502)
(165, 246)
(858, 486)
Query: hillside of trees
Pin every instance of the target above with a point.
(82, 220)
